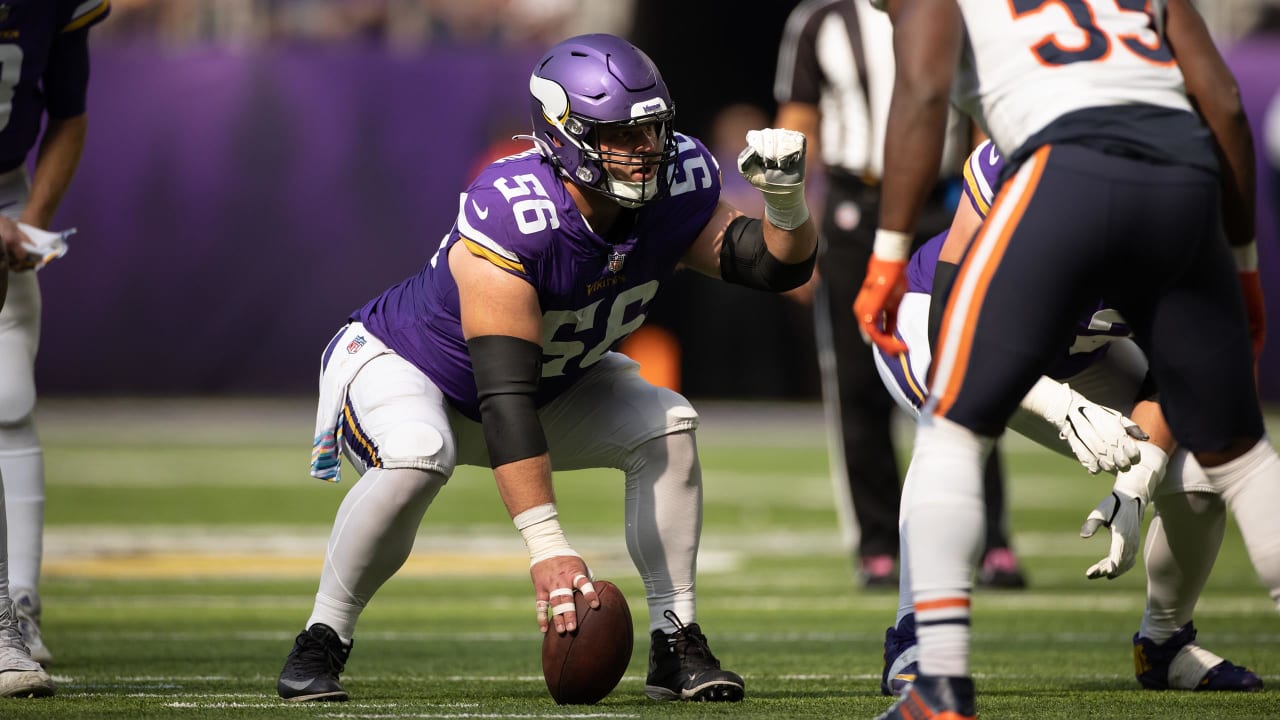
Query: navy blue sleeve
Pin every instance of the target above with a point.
(66, 77)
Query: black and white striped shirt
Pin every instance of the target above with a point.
(838, 56)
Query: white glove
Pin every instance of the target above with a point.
(773, 161)
(45, 246)
(1123, 514)
(1122, 511)
(1101, 438)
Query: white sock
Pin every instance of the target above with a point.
(23, 471)
(372, 536)
(945, 522)
(1251, 486)
(1182, 545)
(664, 521)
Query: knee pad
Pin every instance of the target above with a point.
(17, 398)
(416, 446)
(17, 434)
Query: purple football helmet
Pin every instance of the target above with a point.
(590, 82)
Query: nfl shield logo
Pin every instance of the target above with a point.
(615, 261)
(354, 346)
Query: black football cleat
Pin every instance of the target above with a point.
(681, 667)
(311, 671)
(1180, 664)
(901, 657)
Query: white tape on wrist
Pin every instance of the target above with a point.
(1246, 257)
(892, 245)
(542, 534)
(786, 210)
(1049, 399)
(1141, 479)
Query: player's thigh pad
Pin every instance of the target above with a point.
(19, 339)
(904, 375)
(396, 418)
(610, 412)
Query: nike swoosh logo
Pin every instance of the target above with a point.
(482, 214)
(295, 684)
(992, 156)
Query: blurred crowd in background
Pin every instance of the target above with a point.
(399, 23)
(415, 23)
(280, 161)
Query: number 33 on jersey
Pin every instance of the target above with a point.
(1038, 60)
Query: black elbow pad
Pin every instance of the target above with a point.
(745, 259)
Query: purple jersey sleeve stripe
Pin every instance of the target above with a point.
(981, 172)
(501, 261)
(87, 13)
(973, 191)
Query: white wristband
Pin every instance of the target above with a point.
(1141, 479)
(1246, 256)
(1048, 399)
(892, 245)
(542, 533)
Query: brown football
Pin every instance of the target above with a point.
(584, 666)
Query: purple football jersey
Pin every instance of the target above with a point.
(1093, 331)
(518, 215)
(41, 65)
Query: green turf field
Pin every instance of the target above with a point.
(185, 539)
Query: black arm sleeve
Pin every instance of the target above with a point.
(944, 276)
(507, 370)
(66, 77)
(745, 259)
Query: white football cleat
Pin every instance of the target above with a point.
(20, 676)
(26, 606)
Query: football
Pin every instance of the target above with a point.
(584, 666)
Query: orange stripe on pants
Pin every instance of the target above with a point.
(960, 319)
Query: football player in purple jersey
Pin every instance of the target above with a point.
(501, 352)
(1068, 411)
(44, 75)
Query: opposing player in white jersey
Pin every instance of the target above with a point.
(45, 57)
(1101, 365)
(1114, 190)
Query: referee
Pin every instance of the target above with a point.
(833, 83)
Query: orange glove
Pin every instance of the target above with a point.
(876, 307)
(1256, 309)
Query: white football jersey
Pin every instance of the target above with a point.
(1029, 62)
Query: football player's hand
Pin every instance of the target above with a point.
(773, 161)
(876, 307)
(1122, 513)
(555, 580)
(15, 242)
(1101, 438)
